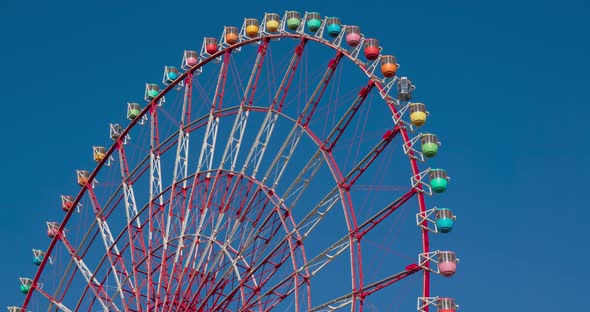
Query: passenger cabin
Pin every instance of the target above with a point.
(151, 91)
(190, 58)
(439, 180)
(52, 229)
(133, 110)
(38, 256)
(429, 144)
(372, 49)
(446, 305)
(388, 66)
(98, 153)
(25, 285)
(314, 21)
(353, 35)
(115, 131)
(171, 73)
(334, 26)
(293, 20)
(83, 176)
(445, 220)
(231, 35)
(404, 89)
(418, 114)
(210, 45)
(272, 22)
(252, 27)
(67, 202)
(447, 263)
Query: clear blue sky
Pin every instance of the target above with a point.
(507, 81)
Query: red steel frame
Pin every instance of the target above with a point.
(359, 290)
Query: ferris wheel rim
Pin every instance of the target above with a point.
(301, 36)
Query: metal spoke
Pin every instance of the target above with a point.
(230, 153)
(319, 262)
(316, 215)
(96, 287)
(303, 179)
(57, 303)
(205, 160)
(348, 299)
(288, 147)
(263, 136)
(155, 171)
(178, 191)
(135, 232)
(114, 255)
(311, 220)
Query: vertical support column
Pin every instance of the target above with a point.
(101, 295)
(134, 226)
(155, 208)
(112, 251)
(174, 225)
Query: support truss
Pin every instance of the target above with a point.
(114, 256)
(348, 299)
(94, 285)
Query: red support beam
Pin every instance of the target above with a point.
(115, 258)
(135, 234)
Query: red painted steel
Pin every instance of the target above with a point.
(356, 261)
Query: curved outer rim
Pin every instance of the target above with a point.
(378, 84)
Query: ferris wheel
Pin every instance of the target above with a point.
(280, 167)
